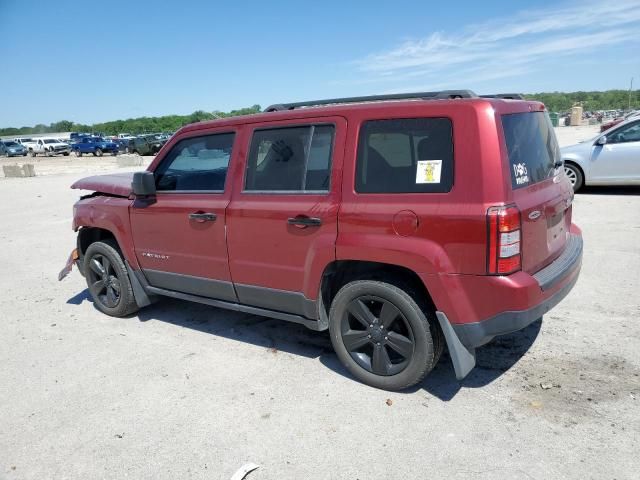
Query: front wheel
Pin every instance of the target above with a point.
(108, 279)
(98, 152)
(382, 336)
(574, 175)
(78, 153)
(33, 153)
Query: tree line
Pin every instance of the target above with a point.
(555, 102)
(166, 123)
(590, 101)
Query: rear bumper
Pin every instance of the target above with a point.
(542, 291)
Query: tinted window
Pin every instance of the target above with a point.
(290, 159)
(198, 163)
(412, 155)
(628, 133)
(532, 147)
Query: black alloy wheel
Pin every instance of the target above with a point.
(104, 283)
(377, 335)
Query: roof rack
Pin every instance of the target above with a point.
(443, 95)
(506, 96)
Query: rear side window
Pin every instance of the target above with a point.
(411, 155)
(196, 164)
(532, 147)
(290, 159)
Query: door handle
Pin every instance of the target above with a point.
(203, 217)
(304, 221)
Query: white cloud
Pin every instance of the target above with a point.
(507, 46)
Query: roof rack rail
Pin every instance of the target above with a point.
(445, 94)
(506, 96)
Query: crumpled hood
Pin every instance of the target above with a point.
(112, 184)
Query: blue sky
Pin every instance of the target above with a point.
(75, 61)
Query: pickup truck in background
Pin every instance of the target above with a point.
(48, 147)
(145, 145)
(95, 145)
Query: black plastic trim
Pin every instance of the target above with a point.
(281, 300)
(138, 284)
(445, 94)
(204, 287)
(311, 324)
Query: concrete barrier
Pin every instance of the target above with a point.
(26, 170)
(129, 160)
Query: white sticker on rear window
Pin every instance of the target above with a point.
(521, 173)
(428, 171)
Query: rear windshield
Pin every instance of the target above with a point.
(532, 146)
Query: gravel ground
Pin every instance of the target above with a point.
(189, 391)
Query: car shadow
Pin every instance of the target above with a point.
(492, 360)
(598, 190)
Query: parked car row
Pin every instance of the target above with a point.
(33, 147)
(85, 143)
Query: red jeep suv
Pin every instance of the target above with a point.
(398, 222)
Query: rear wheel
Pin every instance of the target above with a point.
(382, 336)
(574, 175)
(108, 279)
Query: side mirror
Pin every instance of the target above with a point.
(602, 140)
(143, 184)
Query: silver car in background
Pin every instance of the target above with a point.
(610, 158)
(10, 148)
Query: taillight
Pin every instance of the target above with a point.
(503, 240)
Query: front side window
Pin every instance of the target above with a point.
(628, 133)
(290, 159)
(409, 155)
(196, 164)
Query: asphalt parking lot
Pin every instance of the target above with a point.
(190, 391)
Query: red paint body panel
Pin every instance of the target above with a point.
(263, 249)
(112, 184)
(108, 213)
(167, 240)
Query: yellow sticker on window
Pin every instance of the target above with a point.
(428, 171)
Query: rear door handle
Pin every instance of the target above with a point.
(304, 221)
(203, 217)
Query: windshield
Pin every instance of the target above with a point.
(11, 144)
(532, 146)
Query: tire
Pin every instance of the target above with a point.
(78, 153)
(126, 150)
(24, 154)
(108, 279)
(98, 152)
(66, 154)
(33, 153)
(374, 356)
(574, 175)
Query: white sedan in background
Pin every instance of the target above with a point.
(611, 158)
